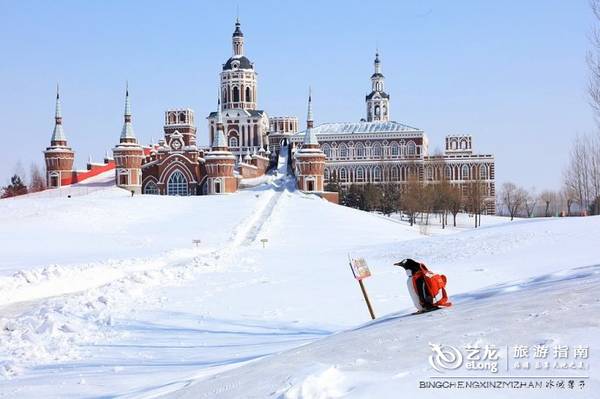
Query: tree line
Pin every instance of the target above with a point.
(19, 184)
(417, 199)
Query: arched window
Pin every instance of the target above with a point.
(327, 150)
(233, 141)
(326, 174)
(151, 188)
(343, 174)
(123, 177)
(360, 174)
(411, 148)
(463, 145)
(236, 94)
(453, 145)
(465, 172)
(394, 173)
(377, 110)
(248, 95)
(448, 172)
(343, 151)
(394, 150)
(376, 151)
(483, 172)
(429, 173)
(218, 186)
(182, 117)
(54, 179)
(384, 110)
(177, 184)
(359, 150)
(377, 173)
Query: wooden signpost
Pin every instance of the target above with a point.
(360, 270)
(197, 242)
(264, 242)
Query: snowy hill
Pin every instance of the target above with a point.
(387, 357)
(105, 295)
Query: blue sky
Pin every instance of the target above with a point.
(510, 73)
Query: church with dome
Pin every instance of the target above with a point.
(245, 144)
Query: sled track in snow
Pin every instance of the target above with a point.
(262, 217)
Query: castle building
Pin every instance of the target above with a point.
(175, 166)
(245, 127)
(310, 159)
(378, 150)
(374, 150)
(59, 157)
(128, 154)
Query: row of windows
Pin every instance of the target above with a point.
(377, 150)
(176, 185)
(465, 173)
(396, 173)
(361, 174)
(235, 95)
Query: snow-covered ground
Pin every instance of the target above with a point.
(105, 295)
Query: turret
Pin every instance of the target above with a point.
(128, 154)
(58, 157)
(310, 159)
(220, 162)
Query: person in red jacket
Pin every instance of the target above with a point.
(426, 288)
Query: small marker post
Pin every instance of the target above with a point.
(264, 242)
(360, 270)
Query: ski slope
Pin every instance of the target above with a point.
(105, 295)
(282, 160)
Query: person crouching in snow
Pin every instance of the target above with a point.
(427, 289)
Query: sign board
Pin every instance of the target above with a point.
(360, 269)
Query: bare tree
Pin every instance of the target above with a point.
(455, 201)
(592, 146)
(530, 202)
(593, 60)
(477, 191)
(513, 198)
(411, 199)
(37, 181)
(568, 197)
(576, 175)
(548, 198)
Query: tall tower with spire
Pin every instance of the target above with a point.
(245, 127)
(238, 78)
(378, 101)
(310, 159)
(220, 162)
(128, 154)
(59, 156)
